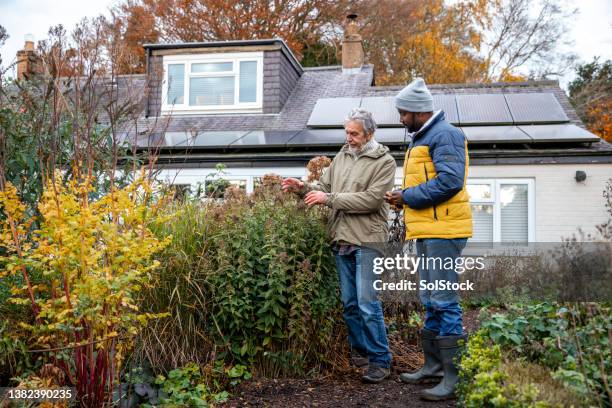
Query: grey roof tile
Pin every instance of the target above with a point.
(329, 82)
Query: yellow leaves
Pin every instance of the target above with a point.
(11, 204)
(19, 301)
(443, 44)
(63, 314)
(95, 255)
(508, 76)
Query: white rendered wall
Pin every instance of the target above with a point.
(560, 206)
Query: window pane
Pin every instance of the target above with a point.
(482, 218)
(248, 81)
(397, 184)
(479, 192)
(180, 191)
(216, 188)
(212, 67)
(176, 83)
(211, 91)
(514, 213)
(176, 138)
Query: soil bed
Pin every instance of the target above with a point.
(345, 389)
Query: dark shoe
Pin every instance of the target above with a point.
(375, 374)
(358, 360)
(432, 369)
(449, 355)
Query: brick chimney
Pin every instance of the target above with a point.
(27, 60)
(352, 47)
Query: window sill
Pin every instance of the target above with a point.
(183, 112)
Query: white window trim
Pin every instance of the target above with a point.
(235, 58)
(195, 176)
(496, 203)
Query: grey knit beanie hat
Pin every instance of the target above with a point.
(415, 97)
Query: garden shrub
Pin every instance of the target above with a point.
(251, 280)
(14, 358)
(487, 379)
(569, 343)
(189, 386)
(93, 256)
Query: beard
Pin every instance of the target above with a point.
(413, 127)
(354, 150)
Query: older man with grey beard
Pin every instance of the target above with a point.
(353, 187)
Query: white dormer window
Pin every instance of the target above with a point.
(213, 83)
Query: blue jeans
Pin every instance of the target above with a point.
(442, 310)
(362, 309)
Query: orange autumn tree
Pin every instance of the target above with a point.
(129, 27)
(591, 96)
(391, 29)
(444, 44)
(459, 41)
(297, 22)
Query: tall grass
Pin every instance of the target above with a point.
(249, 280)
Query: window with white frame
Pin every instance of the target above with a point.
(210, 83)
(502, 210)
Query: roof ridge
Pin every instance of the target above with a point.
(547, 82)
(335, 67)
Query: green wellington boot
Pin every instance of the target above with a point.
(432, 370)
(449, 350)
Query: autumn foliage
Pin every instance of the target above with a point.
(591, 95)
(90, 260)
(440, 41)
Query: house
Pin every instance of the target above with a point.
(536, 174)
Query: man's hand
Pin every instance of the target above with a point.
(394, 198)
(315, 197)
(291, 185)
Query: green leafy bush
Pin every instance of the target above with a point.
(190, 387)
(250, 280)
(14, 358)
(570, 342)
(488, 379)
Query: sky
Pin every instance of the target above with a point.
(591, 30)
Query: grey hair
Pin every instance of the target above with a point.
(364, 117)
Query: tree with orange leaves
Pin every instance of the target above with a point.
(426, 38)
(297, 22)
(463, 41)
(591, 95)
(130, 26)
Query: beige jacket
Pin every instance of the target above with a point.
(356, 186)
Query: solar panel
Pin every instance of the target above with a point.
(331, 112)
(152, 140)
(495, 134)
(391, 136)
(172, 139)
(214, 139)
(318, 137)
(535, 107)
(483, 109)
(264, 138)
(383, 109)
(448, 104)
(558, 133)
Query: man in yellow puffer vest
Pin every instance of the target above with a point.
(437, 214)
